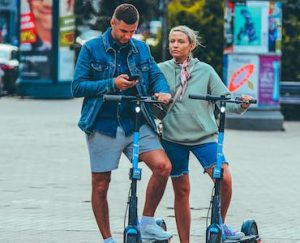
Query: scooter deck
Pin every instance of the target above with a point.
(244, 239)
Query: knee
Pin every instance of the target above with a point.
(100, 187)
(227, 180)
(164, 168)
(182, 192)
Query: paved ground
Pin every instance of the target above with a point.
(45, 179)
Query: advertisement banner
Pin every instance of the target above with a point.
(250, 27)
(242, 74)
(66, 56)
(228, 27)
(275, 27)
(269, 80)
(36, 39)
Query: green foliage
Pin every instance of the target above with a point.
(291, 41)
(147, 8)
(206, 17)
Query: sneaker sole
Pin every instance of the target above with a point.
(153, 237)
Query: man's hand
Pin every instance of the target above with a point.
(246, 99)
(163, 97)
(122, 82)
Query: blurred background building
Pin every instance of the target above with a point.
(46, 61)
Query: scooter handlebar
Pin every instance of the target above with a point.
(208, 97)
(119, 98)
(237, 100)
(116, 98)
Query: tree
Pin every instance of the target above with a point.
(291, 40)
(206, 17)
(147, 8)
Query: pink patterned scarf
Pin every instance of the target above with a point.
(184, 76)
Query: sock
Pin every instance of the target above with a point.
(146, 220)
(109, 240)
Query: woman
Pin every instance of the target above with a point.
(190, 125)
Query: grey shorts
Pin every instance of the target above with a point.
(105, 152)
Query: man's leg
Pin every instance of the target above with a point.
(100, 185)
(160, 165)
(181, 186)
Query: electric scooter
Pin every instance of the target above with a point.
(214, 230)
(132, 233)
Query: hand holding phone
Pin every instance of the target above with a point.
(134, 77)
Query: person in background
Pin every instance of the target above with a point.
(103, 67)
(190, 126)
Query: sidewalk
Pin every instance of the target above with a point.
(45, 179)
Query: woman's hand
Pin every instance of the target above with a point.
(246, 99)
(163, 97)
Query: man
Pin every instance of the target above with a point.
(103, 67)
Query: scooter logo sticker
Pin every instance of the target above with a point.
(240, 77)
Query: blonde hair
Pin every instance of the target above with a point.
(192, 35)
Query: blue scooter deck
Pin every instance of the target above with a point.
(244, 239)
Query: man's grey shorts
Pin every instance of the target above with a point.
(105, 152)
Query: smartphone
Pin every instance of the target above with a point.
(134, 77)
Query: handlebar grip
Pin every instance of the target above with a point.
(198, 97)
(252, 101)
(116, 98)
(209, 97)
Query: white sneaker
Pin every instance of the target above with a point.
(154, 232)
(112, 240)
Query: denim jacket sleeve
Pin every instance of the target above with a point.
(158, 82)
(83, 84)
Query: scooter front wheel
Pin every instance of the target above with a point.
(132, 239)
(132, 235)
(214, 238)
(214, 234)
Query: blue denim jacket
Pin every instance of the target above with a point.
(94, 73)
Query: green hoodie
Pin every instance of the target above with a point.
(191, 121)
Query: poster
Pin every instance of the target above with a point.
(253, 36)
(242, 74)
(228, 27)
(36, 39)
(275, 27)
(250, 27)
(66, 38)
(269, 80)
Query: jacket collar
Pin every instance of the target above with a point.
(107, 44)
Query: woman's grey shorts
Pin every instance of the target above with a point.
(105, 152)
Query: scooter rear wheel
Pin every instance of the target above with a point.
(249, 227)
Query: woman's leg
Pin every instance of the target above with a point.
(225, 190)
(181, 186)
(179, 156)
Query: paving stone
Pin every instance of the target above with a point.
(45, 179)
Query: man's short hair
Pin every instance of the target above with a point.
(127, 13)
